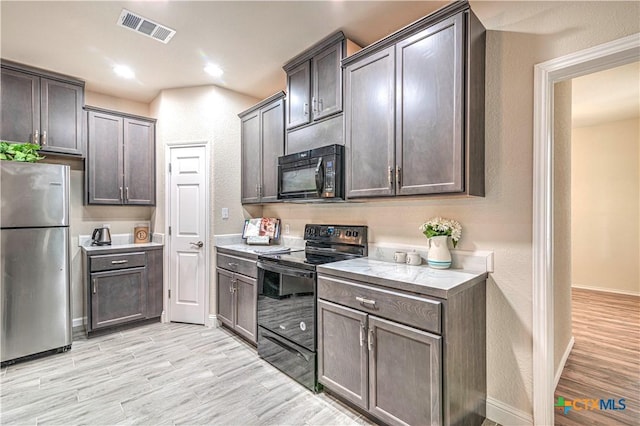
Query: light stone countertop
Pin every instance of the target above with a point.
(252, 251)
(131, 246)
(441, 283)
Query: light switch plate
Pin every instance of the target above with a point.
(225, 213)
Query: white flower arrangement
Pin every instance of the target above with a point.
(440, 226)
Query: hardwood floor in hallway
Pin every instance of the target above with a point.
(605, 360)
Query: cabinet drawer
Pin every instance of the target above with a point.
(408, 309)
(237, 264)
(109, 262)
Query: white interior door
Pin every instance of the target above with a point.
(188, 239)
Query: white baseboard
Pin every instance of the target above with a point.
(563, 361)
(607, 290)
(78, 322)
(504, 414)
(213, 321)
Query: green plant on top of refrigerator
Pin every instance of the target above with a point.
(23, 152)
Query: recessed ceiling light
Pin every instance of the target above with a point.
(124, 71)
(213, 70)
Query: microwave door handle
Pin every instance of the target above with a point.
(319, 177)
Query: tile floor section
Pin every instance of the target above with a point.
(162, 374)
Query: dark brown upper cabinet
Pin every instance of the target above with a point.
(121, 159)
(314, 94)
(262, 142)
(42, 108)
(414, 109)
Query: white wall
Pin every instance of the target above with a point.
(606, 206)
(561, 223)
(197, 114)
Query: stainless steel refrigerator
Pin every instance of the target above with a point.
(36, 280)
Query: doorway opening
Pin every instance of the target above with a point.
(546, 75)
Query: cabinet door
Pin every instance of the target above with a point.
(405, 374)
(225, 297)
(118, 297)
(272, 117)
(342, 351)
(429, 114)
(327, 82)
(139, 162)
(104, 168)
(20, 106)
(251, 168)
(298, 94)
(61, 117)
(246, 294)
(369, 115)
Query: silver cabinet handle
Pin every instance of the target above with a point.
(390, 177)
(119, 262)
(320, 105)
(36, 136)
(363, 331)
(126, 194)
(305, 109)
(231, 288)
(121, 195)
(370, 340)
(198, 244)
(398, 176)
(314, 104)
(44, 138)
(94, 286)
(232, 265)
(364, 301)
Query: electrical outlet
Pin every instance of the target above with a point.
(286, 228)
(225, 213)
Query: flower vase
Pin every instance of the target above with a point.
(439, 256)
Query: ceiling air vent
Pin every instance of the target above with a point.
(145, 26)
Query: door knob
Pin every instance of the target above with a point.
(199, 244)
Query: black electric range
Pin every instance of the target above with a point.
(287, 297)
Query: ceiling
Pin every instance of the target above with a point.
(249, 40)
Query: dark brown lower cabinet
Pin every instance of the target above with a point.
(237, 303)
(389, 369)
(124, 286)
(401, 357)
(118, 297)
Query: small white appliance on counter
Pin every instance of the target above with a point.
(35, 291)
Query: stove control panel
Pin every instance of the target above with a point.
(345, 234)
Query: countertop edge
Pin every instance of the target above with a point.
(121, 248)
(404, 285)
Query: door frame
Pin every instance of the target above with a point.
(546, 74)
(207, 227)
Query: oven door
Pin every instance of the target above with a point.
(301, 180)
(287, 303)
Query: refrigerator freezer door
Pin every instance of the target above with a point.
(34, 195)
(34, 291)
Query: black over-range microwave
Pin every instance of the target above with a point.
(314, 174)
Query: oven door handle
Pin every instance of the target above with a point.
(285, 271)
(286, 347)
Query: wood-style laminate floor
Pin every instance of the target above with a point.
(161, 374)
(605, 360)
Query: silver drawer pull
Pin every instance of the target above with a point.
(119, 262)
(365, 301)
(233, 265)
